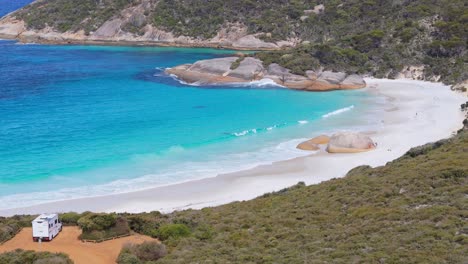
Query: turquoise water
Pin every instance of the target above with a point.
(84, 120)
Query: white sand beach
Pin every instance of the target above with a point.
(415, 113)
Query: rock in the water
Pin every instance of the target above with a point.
(320, 140)
(350, 142)
(249, 69)
(215, 71)
(213, 66)
(308, 145)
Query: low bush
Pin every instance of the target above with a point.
(7, 231)
(141, 253)
(173, 231)
(93, 222)
(103, 226)
(20, 256)
(10, 226)
(70, 218)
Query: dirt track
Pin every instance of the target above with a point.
(67, 242)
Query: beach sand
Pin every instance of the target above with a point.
(414, 113)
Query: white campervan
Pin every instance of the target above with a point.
(45, 227)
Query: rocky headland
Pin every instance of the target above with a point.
(248, 69)
(112, 32)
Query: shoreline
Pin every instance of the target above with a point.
(126, 43)
(408, 113)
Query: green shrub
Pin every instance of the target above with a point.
(173, 231)
(141, 253)
(237, 63)
(20, 256)
(127, 258)
(70, 218)
(204, 232)
(103, 226)
(93, 222)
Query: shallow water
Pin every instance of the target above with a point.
(87, 120)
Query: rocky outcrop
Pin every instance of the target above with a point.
(252, 42)
(248, 69)
(411, 72)
(221, 70)
(109, 28)
(10, 27)
(349, 142)
(461, 87)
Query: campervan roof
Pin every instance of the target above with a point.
(44, 217)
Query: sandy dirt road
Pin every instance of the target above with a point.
(67, 242)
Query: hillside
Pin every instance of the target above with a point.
(422, 39)
(412, 210)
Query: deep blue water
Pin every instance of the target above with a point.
(86, 120)
(7, 6)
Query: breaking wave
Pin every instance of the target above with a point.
(339, 111)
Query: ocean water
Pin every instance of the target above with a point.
(79, 121)
(7, 6)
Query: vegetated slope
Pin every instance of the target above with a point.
(374, 36)
(412, 210)
(384, 37)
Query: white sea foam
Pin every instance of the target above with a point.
(262, 83)
(339, 111)
(302, 122)
(256, 130)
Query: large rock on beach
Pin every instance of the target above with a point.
(308, 146)
(320, 140)
(353, 81)
(350, 142)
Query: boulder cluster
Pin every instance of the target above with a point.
(343, 142)
(240, 70)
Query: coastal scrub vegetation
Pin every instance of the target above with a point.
(412, 210)
(10, 226)
(147, 252)
(102, 226)
(65, 15)
(20, 256)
